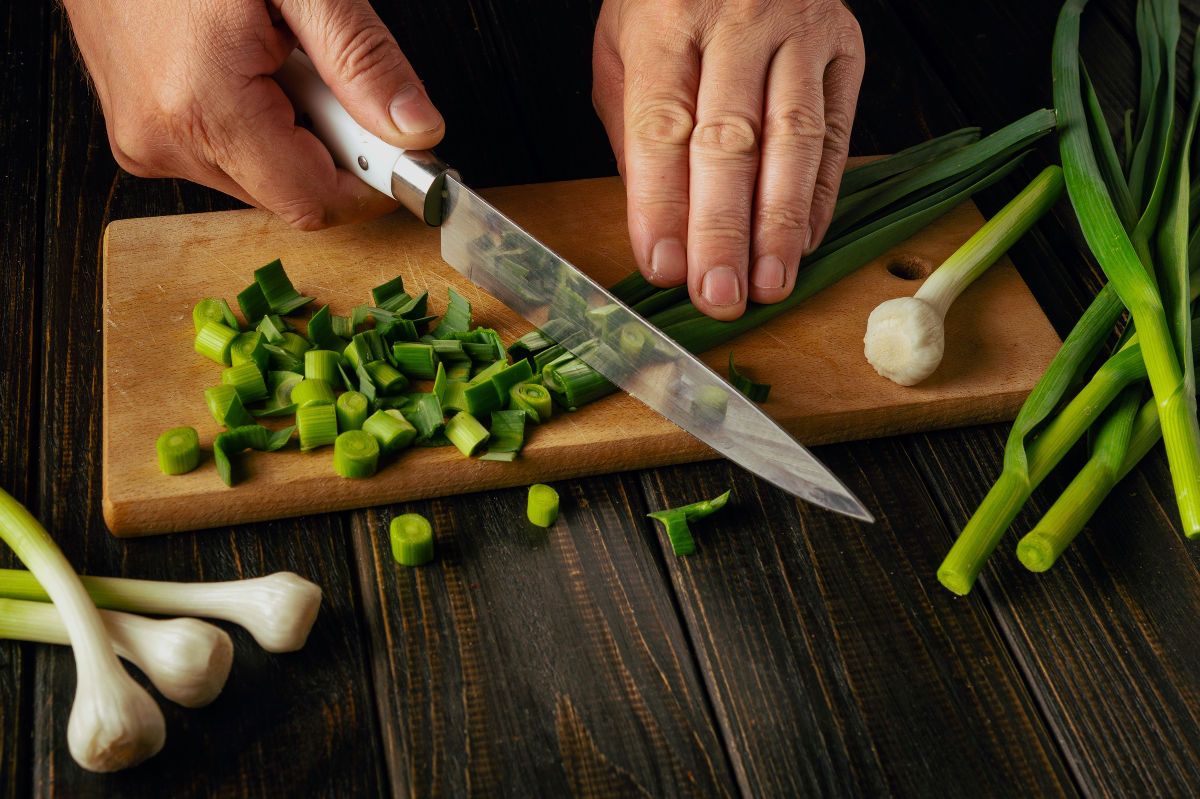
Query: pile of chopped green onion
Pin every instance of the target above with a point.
(1138, 213)
(370, 384)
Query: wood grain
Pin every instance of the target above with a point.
(823, 388)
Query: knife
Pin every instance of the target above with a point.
(497, 255)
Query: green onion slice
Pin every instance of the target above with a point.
(178, 450)
(756, 391)
(214, 341)
(317, 425)
(312, 392)
(393, 431)
(247, 379)
(541, 506)
(507, 436)
(213, 309)
(352, 409)
(457, 316)
(355, 454)
(466, 433)
(323, 365)
(254, 304)
(278, 289)
(531, 398)
(226, 406)
(412, 539)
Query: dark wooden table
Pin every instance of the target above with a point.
(795, 654)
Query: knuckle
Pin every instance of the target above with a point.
(664, 122)
(305, 214)
(368, 52)
(789, 218)
(731, 135)
(718, 232)
(796, 123)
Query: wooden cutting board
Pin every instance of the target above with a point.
(823, 391)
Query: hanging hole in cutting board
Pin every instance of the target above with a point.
(910, 267)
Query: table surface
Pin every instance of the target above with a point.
(796, 653)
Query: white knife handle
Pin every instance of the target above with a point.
(414, 177)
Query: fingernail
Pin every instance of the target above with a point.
(808, 241)
(768, 272)
(412, 112)
(668, 262)
(720, 286)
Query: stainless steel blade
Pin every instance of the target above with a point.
(496, 254)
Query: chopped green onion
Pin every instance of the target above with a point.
(466, 433)
(386, 378)
(281, 360)
(213, 309)
(320, 331)
(295, 344)
(415, 360)
(280, 385)
(532, 398)
(312, 392)
(238, 439)
(482, 397)
(323, 365)
(214, 341)
(710, 403)
(249, 348)
(317, 425)
(439, 381)
(424, 412)
(355, 454)
(226, 406)
(757, 392)
(541, 506)
(573, 383)
(254, 304)
(415, 308)
(247, 379)
(352, 408)
(507, 436)
(393, 431)
(272, 328)
(457, 316)
(178, 450)
(454, 396)
(412, 539)
(278, 289)
(675, 522)
(384, 295)
(366, 347)
(510, 376)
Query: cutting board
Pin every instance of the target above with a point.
(823, 391)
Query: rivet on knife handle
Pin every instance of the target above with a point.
(413, 177)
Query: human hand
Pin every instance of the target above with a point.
(186, 90)
(731, 123)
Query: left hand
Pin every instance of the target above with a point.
(731, 123)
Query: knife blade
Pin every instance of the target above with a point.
(506, 261)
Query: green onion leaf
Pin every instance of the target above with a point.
(507, 436)
(278, 289)
(226, 406)
(757, 392)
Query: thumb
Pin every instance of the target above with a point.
(358, 58)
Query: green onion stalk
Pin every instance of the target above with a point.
(1115, 252)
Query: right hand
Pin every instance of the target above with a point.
(186, 90)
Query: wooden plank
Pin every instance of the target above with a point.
(834, 665)
(300, 721)
(22, 142)
(824, 389)
(535, 662)
(1103, 635)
